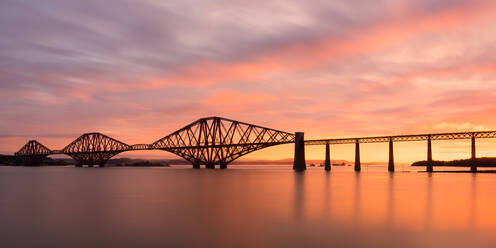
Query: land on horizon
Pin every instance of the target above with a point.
(481, 162)
(143, 162)
(124, 161)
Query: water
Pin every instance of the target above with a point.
(244, 206)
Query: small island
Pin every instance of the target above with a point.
(9, 160)
(481, 162)
(145, 163)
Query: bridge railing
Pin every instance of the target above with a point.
(413, 137)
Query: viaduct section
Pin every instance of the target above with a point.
(403, 138)
(218, 141)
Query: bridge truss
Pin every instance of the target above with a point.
(219, 141)
(94, 148)
(208, 141)
(33, 152)
(414, 137)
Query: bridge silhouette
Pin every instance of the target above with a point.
(218, 141)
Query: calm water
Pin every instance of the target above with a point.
(258, 206)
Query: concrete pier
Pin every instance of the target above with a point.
(357, 156)
(210, 166)
(473, 166)
(391, 156)
(223, 166)
(196, 165)
(299, 154)
(429, 154)
(328, 158)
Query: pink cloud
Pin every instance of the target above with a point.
(308, 54)
(237, 98)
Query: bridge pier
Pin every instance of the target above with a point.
(101, 165)
(90, 165)
(429, 154)
(196, 165)
(473, 167)
(328, 158)
(223, 166)
(210, 166)
(391, 156)
(357, 156)
(299, 163)
(78, 165)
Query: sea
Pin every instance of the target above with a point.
(245, 206)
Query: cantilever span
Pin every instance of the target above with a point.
(216, 140)
(33, 152)
(208, 141)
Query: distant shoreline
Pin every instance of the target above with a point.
(481, 162)
(9, 160)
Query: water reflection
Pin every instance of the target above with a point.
(327, 195)
(243, 207)
(299, 195)
(357, 200)
(428, 203)
(473, 202)
(390, 202)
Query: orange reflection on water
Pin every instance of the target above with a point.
(245, 206)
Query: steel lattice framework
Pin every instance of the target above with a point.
(33, 152)
(415, 137)
(94, 148)
(210, 141)
(216, 140)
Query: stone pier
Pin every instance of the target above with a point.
(299, 155)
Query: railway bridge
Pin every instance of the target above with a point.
(218, 141)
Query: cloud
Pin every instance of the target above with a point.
(330, 68)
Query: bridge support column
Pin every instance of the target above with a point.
(391, 156)
(223, 166)
(101, 165)
(90, 165)
(357, 156)
(299, 155)
(328, 158)
(473, 166)
(78, 165)
(196, 165)
(210, 166)
(429, 154)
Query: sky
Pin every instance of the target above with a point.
(139, 70)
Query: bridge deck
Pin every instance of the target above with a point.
(414, 137)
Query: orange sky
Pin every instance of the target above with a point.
(329, 68)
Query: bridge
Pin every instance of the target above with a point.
(208, 141)
(218, 141)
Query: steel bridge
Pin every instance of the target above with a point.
(402, 138)
(209, 141)
(215, 141)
